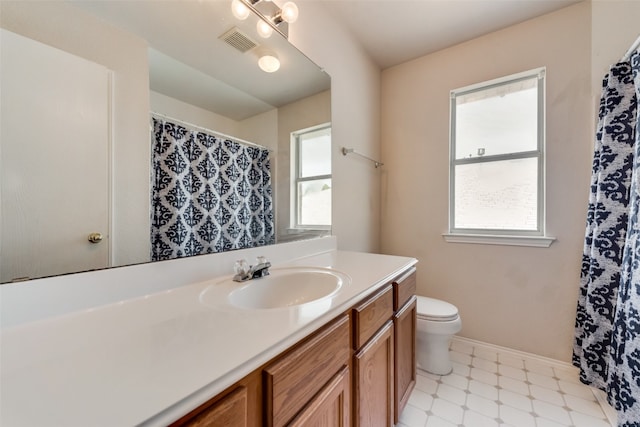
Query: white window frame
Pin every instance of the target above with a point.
(296, 179)
(501, 236)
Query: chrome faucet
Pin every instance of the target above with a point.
(245, 272)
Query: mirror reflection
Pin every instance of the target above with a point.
(135, 131)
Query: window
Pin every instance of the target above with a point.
(497, 158)
(311, 167)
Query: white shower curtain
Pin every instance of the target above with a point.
(607, 342)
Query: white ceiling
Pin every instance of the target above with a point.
(396, 31)
(185, 49)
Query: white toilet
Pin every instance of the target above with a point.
(437, 322)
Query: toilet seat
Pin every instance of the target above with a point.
(436, 310)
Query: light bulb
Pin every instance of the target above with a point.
(264, 29)
(269, 63)
(289, 12)
(239, 10)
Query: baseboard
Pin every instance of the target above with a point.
(548, 360)
(608, 410)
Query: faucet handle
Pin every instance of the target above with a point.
(261, 260)
(241, 267)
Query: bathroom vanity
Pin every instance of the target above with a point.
(359, 369)
(185, 355)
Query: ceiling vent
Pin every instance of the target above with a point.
(238, 40)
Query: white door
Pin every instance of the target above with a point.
(54, 160)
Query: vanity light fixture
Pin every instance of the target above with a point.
(269, 63)
(274, 17)
(264, 29)
(240, 10)
(289, 12)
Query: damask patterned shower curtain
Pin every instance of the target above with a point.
(208, 194)
(607, 342)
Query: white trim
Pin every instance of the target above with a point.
(522, 354)
(608, 410)
(111, 170)
(540, 72)
(311, 228)
(493, 239)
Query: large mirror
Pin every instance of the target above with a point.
(91, 89)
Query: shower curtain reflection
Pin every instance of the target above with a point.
(208, 194)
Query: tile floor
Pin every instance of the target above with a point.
(493, 387)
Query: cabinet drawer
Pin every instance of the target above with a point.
(287, 385)
(369, 316)
(404, 288)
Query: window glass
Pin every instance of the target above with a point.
(499, 120)
(315, 202)
(315, 153)
(498, 195)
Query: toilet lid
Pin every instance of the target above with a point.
(434, 309)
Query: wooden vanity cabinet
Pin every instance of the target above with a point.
(404, 320)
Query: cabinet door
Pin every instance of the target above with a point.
(238, 406)
(373, 382)
(230, 411)
(330, 407)
(405, 355)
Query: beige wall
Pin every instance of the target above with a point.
(261, 129)
(615, 26)
(355, 112)
(519, 297)
(177, 109)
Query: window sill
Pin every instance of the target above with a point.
(486, 239)
(308, 230)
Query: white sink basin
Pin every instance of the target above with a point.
(285, 287)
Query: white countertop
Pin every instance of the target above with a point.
(151, 359)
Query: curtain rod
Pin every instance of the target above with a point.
(213, 132)
(632, 49)
(346, 151)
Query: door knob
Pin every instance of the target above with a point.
(95, 237)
